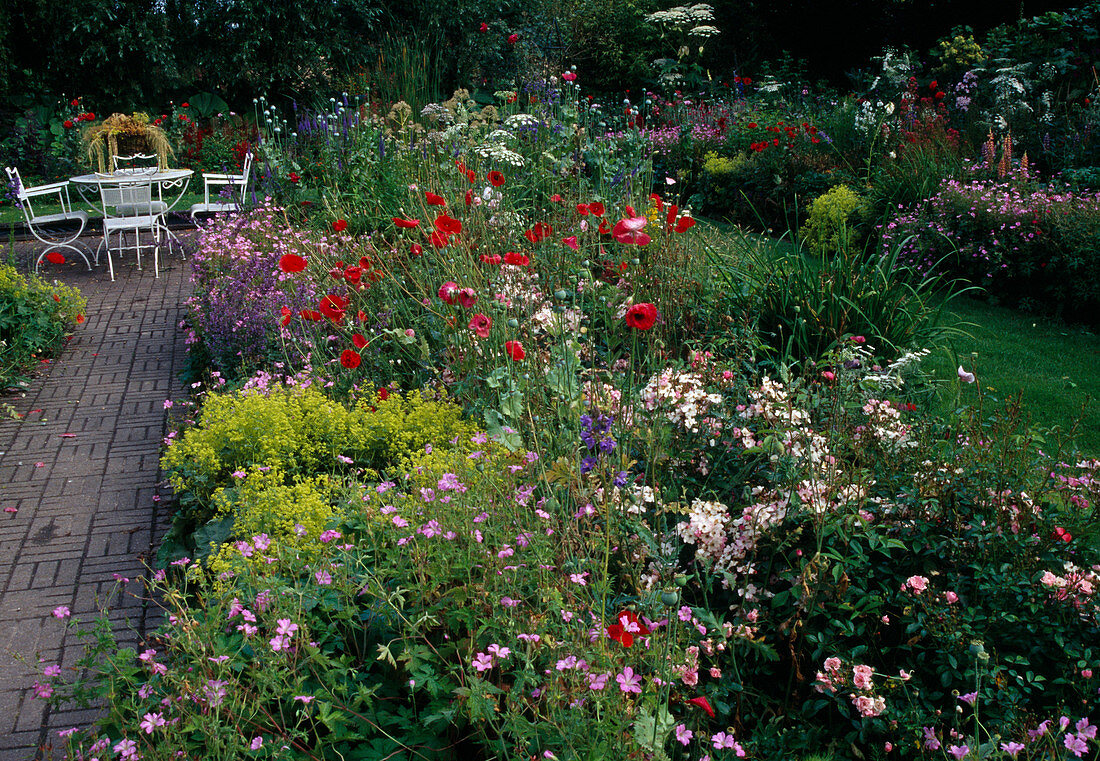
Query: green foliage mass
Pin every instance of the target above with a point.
(832, 220)
(35, 316)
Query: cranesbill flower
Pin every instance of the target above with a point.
(629, 681)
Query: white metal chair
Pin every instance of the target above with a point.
(54, 230)
(237, 185)
(138, 165)
(126, 209)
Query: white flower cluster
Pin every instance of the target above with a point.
(521, 121)
(497, 152)
(681, 396)
(893, 377)
(695, 19)
(498, 136)
(884, 426)
(554, 322)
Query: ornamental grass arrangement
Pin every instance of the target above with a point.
(120, 134)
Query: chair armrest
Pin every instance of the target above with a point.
(221, 177)
(41, 190)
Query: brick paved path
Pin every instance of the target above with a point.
(85, 501)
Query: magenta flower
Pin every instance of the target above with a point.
(683, 734)
(1075, 745)
(959, 751)
(483, 662)
(62, 611)
(629, 681)
(597, 681)
(151, 721)
(1012, 748)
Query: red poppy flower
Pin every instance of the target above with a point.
(416, 249)
(80, 319)
(350, 359)
(68, 124)
(604, 227)
(520, 260)
(556, 198)
(447, 291)
(597, 208)
(434, 200)
(471, 175)
(332, 307)
(571, 241)
(625, 627)
(582, 209)
(480, 324)
(641, 316)
(56, 257)
(539, 232)
(288, 315)
(311, 314)
(359, 340)
(445, 223)
(684, 224)
(405, 224)
(439, 239)
(469, 197)
(629, 231)
(185, 105)
(496, 179)
(292, 263)
(294, 177)
(656, 201)
(515, 350)
(75, 102)
(340, 225)
(703, 703)
(353, 275)
(90, 116)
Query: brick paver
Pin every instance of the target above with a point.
(80, 467)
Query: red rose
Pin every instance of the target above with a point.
(515, 350)
(74, 102)
(513, 39)
(641, 316)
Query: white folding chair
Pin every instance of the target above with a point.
(54, 230)
(236, 184)
(126, 210)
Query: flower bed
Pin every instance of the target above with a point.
(518, 487)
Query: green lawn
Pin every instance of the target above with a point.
(1055, 367)
(11, 215)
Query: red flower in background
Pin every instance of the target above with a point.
(294, 177)
(56, 257)
(448, 225)
(350, 359)
(405, 224)
(480, 324)
(703, 703)
(292, 263)
(515, 350)
(68, 124)
(629, 231)
(447, 291)
(359, 340)
(539, 232)
(625, 627)
(80, 319)
(597, 208)
(641, 316)
(513, 39)
(484, 27)
(520, 260)
(287, 314)
(496, 179)
(340, 225)
(416, 249)
(332, 307)
(490, 259)
(433, 199)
